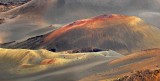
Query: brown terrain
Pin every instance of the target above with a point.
(140, 66)
(4, 8)
(124, 34)
(37, 16)
(121, 33)
(8, 5)
(46, 40)
(146, 75)
(43, 65)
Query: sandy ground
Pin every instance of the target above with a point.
(43, 17)
(126, 65)
(6, 5)
(42, 65)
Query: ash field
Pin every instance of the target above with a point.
(79, 40)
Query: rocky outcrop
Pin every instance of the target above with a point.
(6, 5)
(146, 75)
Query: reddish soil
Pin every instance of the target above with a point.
(146, 75)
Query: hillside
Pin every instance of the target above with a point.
(41, 14)
(124, 34)
(6, 5)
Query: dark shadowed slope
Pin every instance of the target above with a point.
(39, 14)
(25, 21)
(121, 33)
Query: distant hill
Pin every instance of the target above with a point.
(39, 14)
(13, 1)
(121, 33)
(6, 5)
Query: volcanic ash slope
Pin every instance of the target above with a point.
(24, 21)
(117, 32)
(42, 65)
(140, 63)
(124, 34)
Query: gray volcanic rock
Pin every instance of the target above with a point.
(83, 50)
(12, 1)
(31, 43)
(6, 5)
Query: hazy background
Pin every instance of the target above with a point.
(42, 16)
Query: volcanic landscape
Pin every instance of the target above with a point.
(79, 40)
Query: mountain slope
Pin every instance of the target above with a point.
(124, 34)
(32, 65)
(42, 65)
(39, 14)
(127, 65)
(116, 32)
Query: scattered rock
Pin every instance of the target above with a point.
(89, 49)
(146, 75)
(6, 5)
(2, 20)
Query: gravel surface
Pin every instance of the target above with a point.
(147, 75)
(6, 5)
(12, 1)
